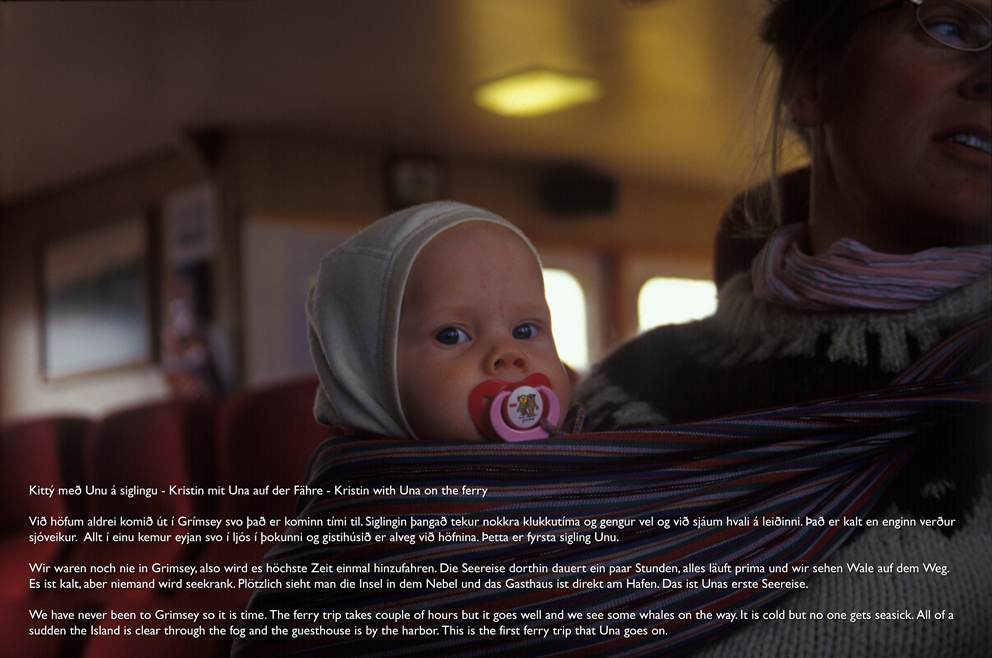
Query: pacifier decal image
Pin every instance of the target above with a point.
(524, 407)
(514, 411)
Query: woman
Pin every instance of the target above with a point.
(630, 543)
(898, 128)
(890, 255)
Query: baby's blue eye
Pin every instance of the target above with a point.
(525, 331)
(451, 336)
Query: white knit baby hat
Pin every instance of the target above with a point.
(354, 314)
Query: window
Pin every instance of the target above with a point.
(567, 302)
(664, 300)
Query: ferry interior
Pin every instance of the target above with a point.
(172, 173)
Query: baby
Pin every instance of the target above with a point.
(432, 324)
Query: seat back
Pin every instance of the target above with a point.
(152, 447)
(266, 435)
(42, 452)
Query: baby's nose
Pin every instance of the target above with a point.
(506, 356)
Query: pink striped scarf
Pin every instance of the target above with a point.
(849, 275)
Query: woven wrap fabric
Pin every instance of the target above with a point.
(751, 489)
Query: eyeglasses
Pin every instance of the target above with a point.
(953, 24)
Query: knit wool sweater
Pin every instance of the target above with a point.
(751, 355)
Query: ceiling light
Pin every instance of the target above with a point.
(536, 92)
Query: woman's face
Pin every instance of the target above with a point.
(902, 128)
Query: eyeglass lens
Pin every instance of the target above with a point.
(955, 25)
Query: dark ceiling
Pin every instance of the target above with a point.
(89, 85)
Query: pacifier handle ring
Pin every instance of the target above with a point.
(512, 435)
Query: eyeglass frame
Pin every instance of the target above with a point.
(896, 4)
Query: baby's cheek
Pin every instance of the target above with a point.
(563, 388)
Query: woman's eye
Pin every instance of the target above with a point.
(954, 25)
(524, 332)
(947, 31)
(451, 336)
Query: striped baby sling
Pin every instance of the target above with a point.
(633, 543)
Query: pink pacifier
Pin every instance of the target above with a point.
(516, 410)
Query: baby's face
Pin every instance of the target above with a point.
(473, 310)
